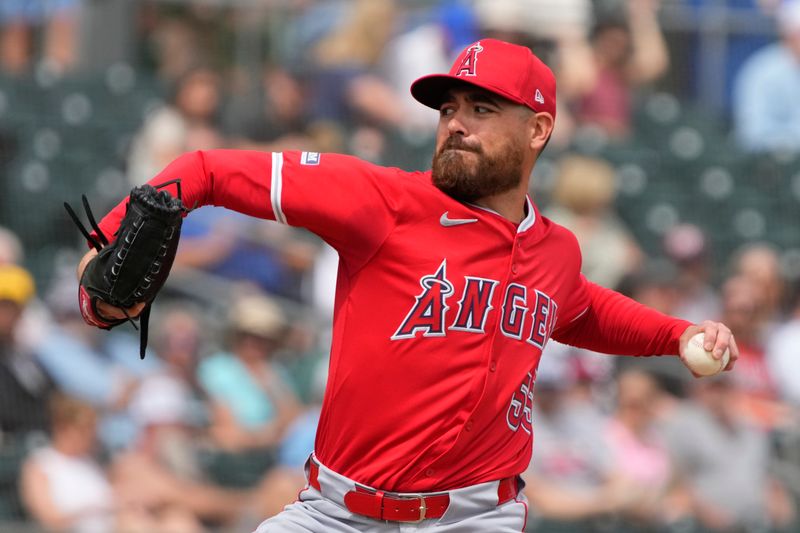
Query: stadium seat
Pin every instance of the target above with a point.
(239, 470)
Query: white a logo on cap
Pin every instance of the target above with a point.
(538, 96)
(470, 61)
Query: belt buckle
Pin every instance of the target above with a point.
(422, 507)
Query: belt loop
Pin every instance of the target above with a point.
(313, 475)
(380, 495)
(507, 489)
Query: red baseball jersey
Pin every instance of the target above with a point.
(441, 312)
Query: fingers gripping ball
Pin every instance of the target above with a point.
(702, 362)
(134, 267)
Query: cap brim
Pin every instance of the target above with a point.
(431, 90)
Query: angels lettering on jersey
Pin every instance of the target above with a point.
(524, 316)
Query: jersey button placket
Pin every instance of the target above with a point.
(517, 246)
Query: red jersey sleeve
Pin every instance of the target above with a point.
(348, 202)
(605, 321)
(344, 200)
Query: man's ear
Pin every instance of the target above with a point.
(541, 129)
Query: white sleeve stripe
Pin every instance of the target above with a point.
(276, 186)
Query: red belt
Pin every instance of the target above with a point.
(381, 506)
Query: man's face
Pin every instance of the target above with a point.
(481, 144)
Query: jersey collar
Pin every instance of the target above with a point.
(530, 216)
(527, 222)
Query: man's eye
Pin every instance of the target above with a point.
(479, 109)
(446, 111)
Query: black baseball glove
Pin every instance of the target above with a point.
(132, 268)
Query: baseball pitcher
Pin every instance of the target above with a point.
(450, 284)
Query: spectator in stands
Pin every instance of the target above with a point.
(97, 367)
(221, 242)
(35, 316)
(760, 263)
(583, 200)
(656, 285)
(280, 485)
(628, 51)
(348, 93)
(639, 454)
(429, 46)
(783, 355)
(557, 32)
(161, 473)
(177, 41)
(20, 21)
(553, 27)
(218, 241)
(731, 491)
(571, 479)
(238, 248)
(274, 116)
(687, 247)
(179, 338)
(189, 121)
(766, 109)
(24, 384)
(63, 486)
(758, 393)
(252, 401)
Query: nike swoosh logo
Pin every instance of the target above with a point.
(447, 222)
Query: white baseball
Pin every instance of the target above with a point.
(702, 362)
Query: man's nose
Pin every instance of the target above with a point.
(455, 126)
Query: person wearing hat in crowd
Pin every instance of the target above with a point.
(24, 385)
(252, 402)
(450, 284)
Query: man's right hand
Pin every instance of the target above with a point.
(108, 311)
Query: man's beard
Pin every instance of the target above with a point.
(465, 182)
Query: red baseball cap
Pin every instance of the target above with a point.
(506, 69)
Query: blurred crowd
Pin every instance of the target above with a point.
(211, 429)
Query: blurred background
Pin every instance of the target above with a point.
(675, 160)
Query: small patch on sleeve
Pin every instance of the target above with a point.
(310, 158)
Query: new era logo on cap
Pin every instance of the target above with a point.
(506, 69)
